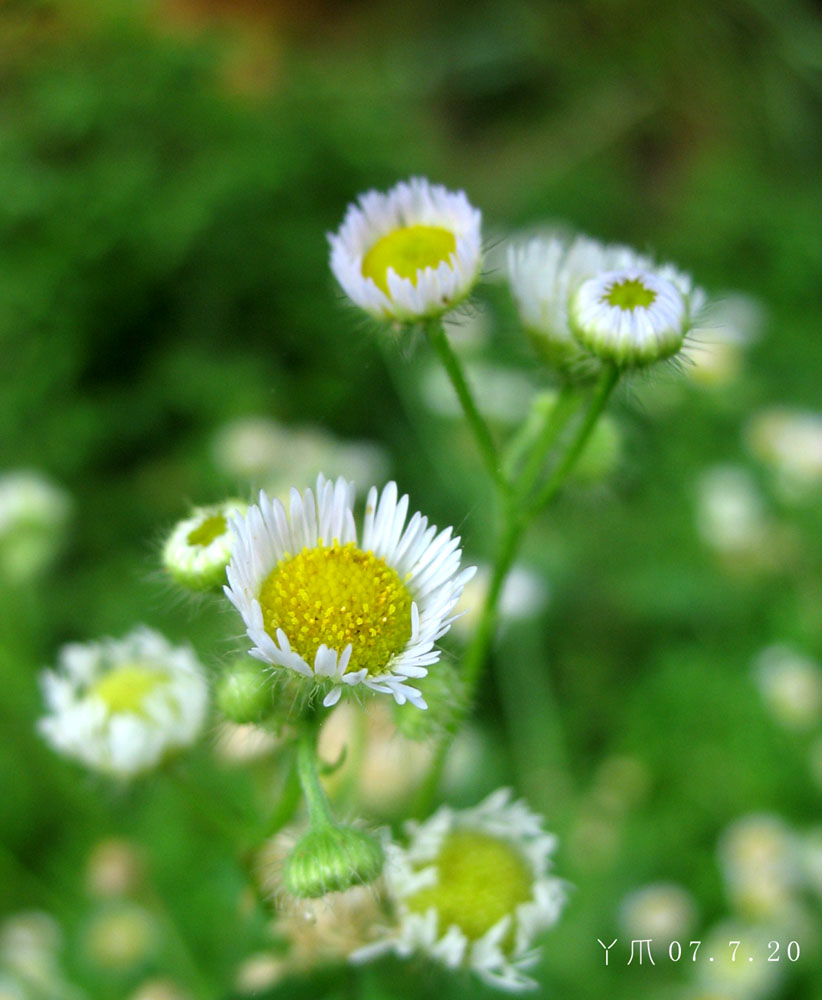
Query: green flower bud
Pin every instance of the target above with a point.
(444, 691)
(332, 858)
(198, 550)
(244, 693)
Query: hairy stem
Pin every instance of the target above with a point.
(319, 810)
(482, 434)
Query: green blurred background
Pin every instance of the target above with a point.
(168, 172)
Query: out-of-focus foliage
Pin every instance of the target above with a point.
(168, 175)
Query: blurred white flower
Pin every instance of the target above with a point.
(121, 705)
(730, 512)
(114, 869)
(662, 911)
(410, 253)
(525, 594)
(29, 946)
(160, 989)
(33, 517)
(277, 456)
(759, 859)
(473, 890)
(260, 972)
(741, 973)
(791, 686)
(715, 346)
(790, 443)
(121, 936)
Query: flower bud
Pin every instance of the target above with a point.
(332, 858)
(198, 549)
(633, 316)
(444, 691)
(244, 693)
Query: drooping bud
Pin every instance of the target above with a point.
(332, 858)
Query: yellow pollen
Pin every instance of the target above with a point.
(480, 879)
(125, 688)
(338, 594)
(629, 294)
(408, 251)
(205, 533)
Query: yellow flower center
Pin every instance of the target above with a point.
(408, 251)
(480, 879)
(336, 595)
(205, 533)
(629, 294)
(125, 688)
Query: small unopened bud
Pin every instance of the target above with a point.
(631, 317)
(444, 691)
(244, 693)
(198, 549)
(330, 859)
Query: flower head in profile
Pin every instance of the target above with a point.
(121, 705)
(338, 611)
(635, 315)
(411, 253)
(198, 549)
(580, 300)
(543, 273)
(472, 890)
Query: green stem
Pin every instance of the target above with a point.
(604, 388)
(515, 522)
(477, 652)
(485, 442)
(555, 422)
(286, 805)
(319, 811)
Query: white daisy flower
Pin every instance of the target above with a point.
(411, 253)
(662, 910)
(544, 273)
(198, 549)
(791, 686)
(121, 705)
(635, 315)
(472, 890)
(338, 612)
